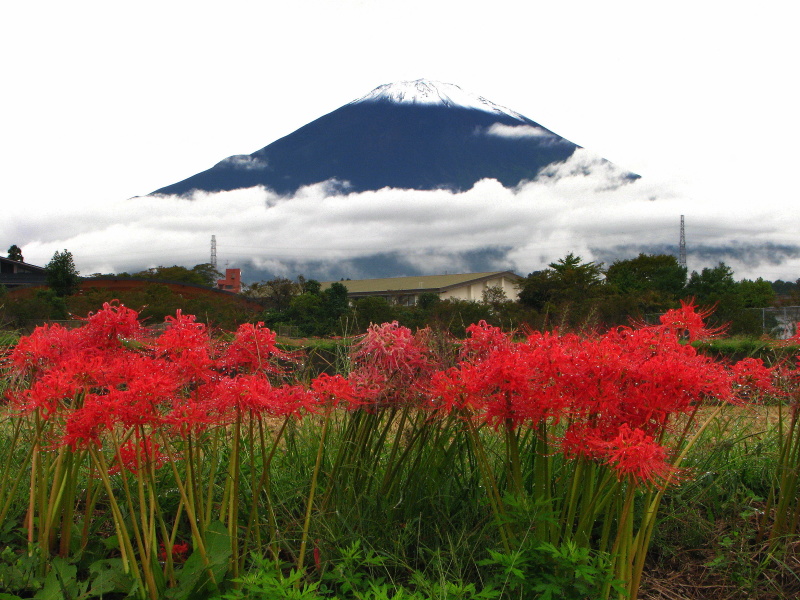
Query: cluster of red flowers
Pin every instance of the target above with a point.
(391, 365)
(615, 395)
(179, 552)
(113, 373)
(612, 395)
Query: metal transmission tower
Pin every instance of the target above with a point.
(682, 246)
(214, 251)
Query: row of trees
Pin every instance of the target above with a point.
(204, 274)
(569, 293)
(59, 299)
(643, 285)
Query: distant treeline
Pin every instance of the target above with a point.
(569, 294)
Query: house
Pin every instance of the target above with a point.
(232, 281)
(15, 274)
(407, 290)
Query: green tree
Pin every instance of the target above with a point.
(428, 300)
(712, 284)
(309, 286)
(335, 301)
(756, 294)
(276, 294)
(648, 272)
(715, 287)
(372, 309)
(567, 280)
(62, 277)
(494, 296)
(537, 289)
(14, 253)
(207, 273)
(203, 274)
(787, 292)
(306, 312)
(456, 315)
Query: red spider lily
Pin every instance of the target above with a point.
(111, 326)
(146, 389)
(46, 346)
(634, 453)
(690, 321)
(391, 365)
(134, 454)
(244, 393)
(85, 427)
(482, 338)
(191, 416)
(641, 377)
(617, 392)
(127, 390)
(187, 344)
(292, 400)
(253, 349)
(448, 391)
(253, 394)
(47, 394)
(178, 554)
(754, 377)
(393, 349)
(333, 390)
(511, 386)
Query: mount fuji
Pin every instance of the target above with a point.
(421, 135)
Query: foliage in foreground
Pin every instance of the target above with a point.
(177, 466)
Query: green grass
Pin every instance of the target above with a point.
(710, 535)
(8, 338)
(736, 348)
(434, 537)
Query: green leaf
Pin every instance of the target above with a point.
(194, 577)
(60, 583)
(108, 576)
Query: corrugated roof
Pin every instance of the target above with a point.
(416, 283)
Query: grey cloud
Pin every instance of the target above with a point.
(580, 206)
(752, 255)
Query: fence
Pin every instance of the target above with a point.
(779, 322)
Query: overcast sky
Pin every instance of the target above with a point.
(105, 101)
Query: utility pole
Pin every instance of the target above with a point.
(214, 251)
(682, 246)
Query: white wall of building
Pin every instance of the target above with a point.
(475, 291)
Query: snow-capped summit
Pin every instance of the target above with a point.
(424, 91)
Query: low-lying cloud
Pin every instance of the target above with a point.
(245, 162)
(518, 131)
(323, 231)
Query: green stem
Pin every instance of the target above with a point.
(490, 483)
(129, 563)
(191, 515)
(310, 501)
